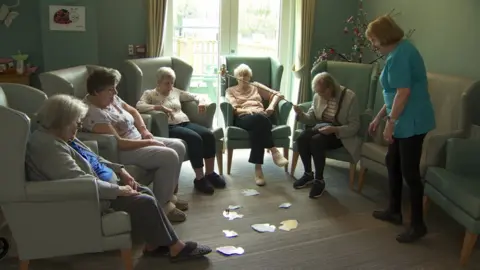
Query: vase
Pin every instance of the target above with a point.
(20, 67)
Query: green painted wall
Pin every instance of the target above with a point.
(446, 31)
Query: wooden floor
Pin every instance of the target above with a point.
(335, 231)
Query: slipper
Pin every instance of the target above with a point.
(191, 250)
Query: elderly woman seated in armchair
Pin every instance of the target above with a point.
(54, 153)
(334, 122)
(250, 114)
(200, 140)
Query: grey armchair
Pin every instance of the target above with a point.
(141, 75)
(32, 209)
(361, 79)
(267, 71)
(73, 81)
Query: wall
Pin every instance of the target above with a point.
(445, 31)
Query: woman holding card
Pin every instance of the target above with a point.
(332, 122)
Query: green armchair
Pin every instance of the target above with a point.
(455, 187)
(360, 78)
(267, 71)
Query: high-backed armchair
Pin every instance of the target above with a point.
(449, 95)
(361, 79)
(267, 71)
(73, 81)
(22, 98)
(32, 209)
(141, 75)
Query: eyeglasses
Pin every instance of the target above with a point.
(79, 125)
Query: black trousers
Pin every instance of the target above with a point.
(259, 129)
(200, 141)
(403, 162)
(313, 143)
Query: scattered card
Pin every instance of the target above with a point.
(234, 207)
(250, 192)
(285, 205)
(230, 234)
(288, 225)
(266, 227)
(231, 215)
(230, 250)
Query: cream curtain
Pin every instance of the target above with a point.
(157, 10)
(304, 32)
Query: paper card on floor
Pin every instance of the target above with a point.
(265, 227)
(230, 250)
(288, 225)
(285, 205)
(230, 234)
(250, 192)
(231, 215)
(234, 207)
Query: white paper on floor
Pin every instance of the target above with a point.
(231, 215)
(230, 234)
(265, 227)
(234, 207)
(230, 250)
(288, 225)
(250, 192)
(285, 205)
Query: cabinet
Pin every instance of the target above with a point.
(15, 78)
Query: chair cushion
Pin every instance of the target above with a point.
(374, 152)
(462, 191)
(278, 132)
(116, 223)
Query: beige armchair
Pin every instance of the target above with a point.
(449, 96)
(32, 209)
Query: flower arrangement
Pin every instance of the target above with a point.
(355, 26)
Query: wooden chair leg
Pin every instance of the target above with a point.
(229, 160)
(220, 162)
(127, 258)
(24, 265)
(426, 204)
(353, 170)
(294, 162)
(361, 178)
(285, 154)
(468, 245)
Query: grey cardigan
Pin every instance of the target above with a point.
(49, 158)
(348, 118)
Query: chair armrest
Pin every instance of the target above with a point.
(227, 111)
(62, 190)
(107, 144)
(435, 148)
(159, 126)
(23, 98)
(305, 107)
(462, 157)
(190, 108)
(365, 119)
(284, 109)
(93, 145)
(147, 119)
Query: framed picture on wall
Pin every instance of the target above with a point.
(67, 18)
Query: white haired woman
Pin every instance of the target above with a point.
(109, 114)
(200, 140)
(55, 153)
(333, 121)
(250, 114)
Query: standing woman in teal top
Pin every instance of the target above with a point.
(410, 116)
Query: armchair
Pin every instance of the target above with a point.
(360, 78)
(141, 75)
(455, 187)
(450, 96)
(31, 209)
(73, 81)
(267, 71)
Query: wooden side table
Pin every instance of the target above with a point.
(15, 78)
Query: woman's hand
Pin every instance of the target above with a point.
(146, 134)
(167, 111)
(269, 111)
(126, 191)
(327, 130)
(297, 109)
(202, 108)
(372, 128)
(153, 142)
(388, 132)
(128, 179)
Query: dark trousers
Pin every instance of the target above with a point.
(403, 162)
(259, 129)
(200, 141)
(313, 143)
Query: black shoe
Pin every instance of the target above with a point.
(204, 186)
(412, 234)
(216, 180)
(304, 181)
(388, 216)
(317, 189)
